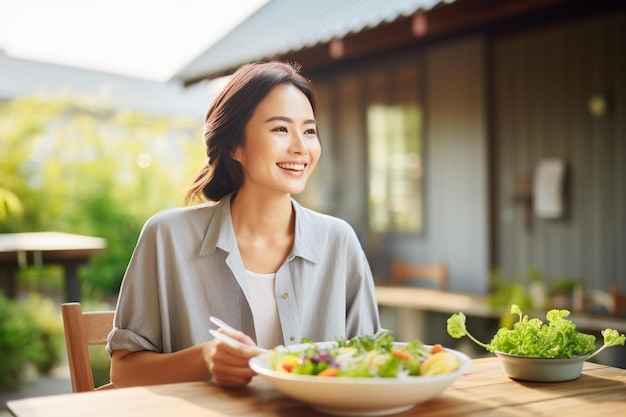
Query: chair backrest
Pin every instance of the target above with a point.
(83, 329)
(437, 274)
(618, 302)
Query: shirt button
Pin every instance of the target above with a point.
(292, 338)
(285, 295)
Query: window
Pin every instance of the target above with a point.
(394, 135)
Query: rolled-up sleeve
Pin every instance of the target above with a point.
(137, 318)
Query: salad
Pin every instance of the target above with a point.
(364, 356)
(532, 337)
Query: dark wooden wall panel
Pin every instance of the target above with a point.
(542, 80)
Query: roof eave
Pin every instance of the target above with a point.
(423, 25)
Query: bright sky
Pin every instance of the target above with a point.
(149, 39)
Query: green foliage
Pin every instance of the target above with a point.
(506, 291)
(31, 332)
(536, 275)
(105, 218)
(10, 205)
(532, 337)
(457, 329)
(611, 338)
(534, 289)
(564, 285)
(100, 365)
(559, 338)
(17, 335)
(48, 346)
(78, 167)
(45, 279)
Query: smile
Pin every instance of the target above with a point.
(292, 167)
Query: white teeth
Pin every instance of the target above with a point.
(293, 167)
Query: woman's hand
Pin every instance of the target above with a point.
(227, 363)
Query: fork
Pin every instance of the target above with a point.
(221, 323)
(224, 337)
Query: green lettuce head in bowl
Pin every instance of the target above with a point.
(535, 351)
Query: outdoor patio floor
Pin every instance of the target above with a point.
(58, 382)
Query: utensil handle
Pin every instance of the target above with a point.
(234, 342)
(221, 323)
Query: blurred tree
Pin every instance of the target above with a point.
(81, 168)
(10, 205)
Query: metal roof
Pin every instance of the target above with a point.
(283, 26)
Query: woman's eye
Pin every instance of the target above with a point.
(310, 132)
(280, 129)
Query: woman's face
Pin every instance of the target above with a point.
(281, 147)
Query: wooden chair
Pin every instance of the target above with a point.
(436, 274)
(83, 329)
(618, 302)
(411, 322)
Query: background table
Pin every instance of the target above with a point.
(483, 391)
(39, 248)
(413, 302)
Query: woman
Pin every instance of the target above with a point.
(252, 256)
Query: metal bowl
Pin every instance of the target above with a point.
(525, 368)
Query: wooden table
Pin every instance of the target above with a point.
(483, 391)
(414, 302)
(38, 248)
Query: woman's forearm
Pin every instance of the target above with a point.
(150, 368)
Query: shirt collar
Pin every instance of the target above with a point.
(220, 232)
(304, 244)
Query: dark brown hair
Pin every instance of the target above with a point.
(226, 119)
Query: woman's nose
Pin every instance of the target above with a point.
(298, 144)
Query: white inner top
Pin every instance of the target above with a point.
(264, 310)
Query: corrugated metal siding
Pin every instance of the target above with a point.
(283, 26)
(543, 80)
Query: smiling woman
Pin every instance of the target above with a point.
(288, 142)
(250, 254)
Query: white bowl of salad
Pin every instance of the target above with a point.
(368, 375)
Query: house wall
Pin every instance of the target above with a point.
(495, 104)
(456, 155)
(543, 79)
(456, 229)
(456, 194)
(338, 185)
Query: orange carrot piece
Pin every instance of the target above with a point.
(437, 348)
(402, 355)
(329, 372)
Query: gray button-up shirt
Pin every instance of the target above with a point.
(187, 266)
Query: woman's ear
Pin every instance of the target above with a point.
(236, 154)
